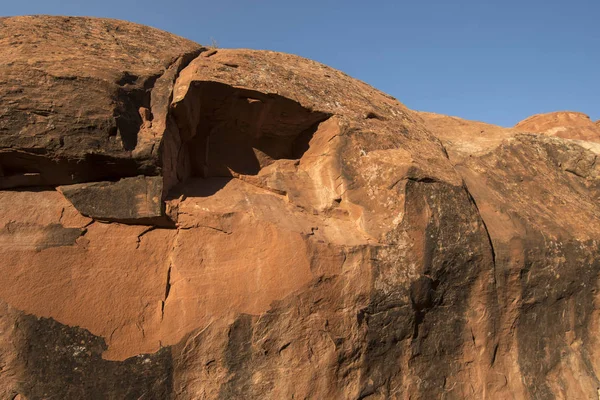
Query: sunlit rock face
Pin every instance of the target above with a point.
(564, 124)
(180, 222)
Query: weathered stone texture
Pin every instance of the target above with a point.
(179, 222)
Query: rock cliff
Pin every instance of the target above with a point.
(181, 222)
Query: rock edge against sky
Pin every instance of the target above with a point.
(194, 223)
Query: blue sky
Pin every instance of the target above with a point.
(494, 61)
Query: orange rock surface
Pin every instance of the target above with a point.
(181, 222)
(564, 124)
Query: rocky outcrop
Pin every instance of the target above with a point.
(277, 229)
(84, 99)
(564, 124)
(537, 196)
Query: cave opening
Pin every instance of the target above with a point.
(226, 130)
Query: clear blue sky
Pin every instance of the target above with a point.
(494, 61)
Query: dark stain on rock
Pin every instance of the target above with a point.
(26, 236)
(550, 311)
(57, 235)
(421, 293)
(63, 362)
(456, 252)
(453, 250)
(238, 357)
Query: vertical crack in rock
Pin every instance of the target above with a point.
(62, 213)
(494, 354)
(168, 283)
(167, 291)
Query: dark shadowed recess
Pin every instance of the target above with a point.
(198, 187)
(133, 93)
(229, 130)
(20, 168)
(62, 362)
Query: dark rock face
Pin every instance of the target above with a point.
(66, 362)
(538, 198)
(545, 238)
(79, 96)
(187, 223)
(129, 199)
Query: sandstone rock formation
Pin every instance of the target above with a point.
(564, 124)
(191, 223)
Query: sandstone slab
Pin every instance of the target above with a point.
(127, 200)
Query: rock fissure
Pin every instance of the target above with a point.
(167, 292)
(139, 236)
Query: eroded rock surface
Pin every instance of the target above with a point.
(277, 230)
(564, 124)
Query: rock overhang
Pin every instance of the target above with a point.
(184, 112)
